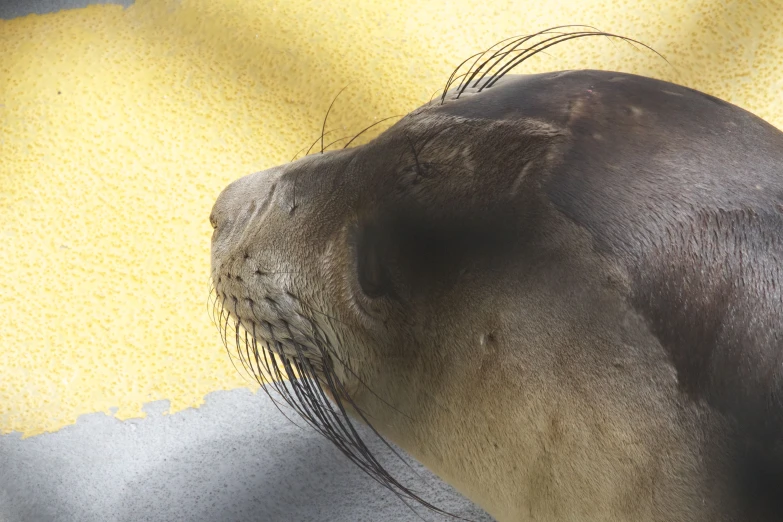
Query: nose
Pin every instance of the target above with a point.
(244, 197)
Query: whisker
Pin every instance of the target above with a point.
(332, 354)
(501, 60)
(335, 141)
(300, 383)
(370, 127)
(296, 174)
(323, 128)
(338, 396)
(517, 41)
(557, 40)
(478, 55)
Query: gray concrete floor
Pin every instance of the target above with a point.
(15, 8)
(235, 459)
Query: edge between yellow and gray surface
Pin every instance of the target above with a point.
(120, 124)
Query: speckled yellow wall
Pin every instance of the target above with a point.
(119, 127)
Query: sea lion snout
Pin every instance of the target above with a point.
(237, 201)
(239, 210)
(278, 248)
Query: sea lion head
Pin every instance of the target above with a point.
(533, 283)
(354, 260)
(379, 270)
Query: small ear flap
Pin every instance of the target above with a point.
(373, 258)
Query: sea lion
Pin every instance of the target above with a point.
(561, 292)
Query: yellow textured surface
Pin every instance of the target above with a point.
(119, 127)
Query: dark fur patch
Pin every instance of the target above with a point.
(681, 191)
